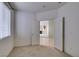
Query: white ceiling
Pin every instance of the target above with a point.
(37, 6)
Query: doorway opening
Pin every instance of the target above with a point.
(45, 34)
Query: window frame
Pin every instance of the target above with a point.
(7, 5)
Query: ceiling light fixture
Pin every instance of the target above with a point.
(59, 2)
(43, 6)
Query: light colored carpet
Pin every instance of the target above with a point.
(36, 51)
(46, 41)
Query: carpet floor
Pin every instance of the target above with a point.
(36, 51)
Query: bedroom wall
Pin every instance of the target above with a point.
(51, 29)
(47, 15)
(71, 13)
(26, 29)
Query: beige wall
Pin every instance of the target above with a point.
(51, 29)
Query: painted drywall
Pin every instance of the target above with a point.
(51, 29)
(35, 32)
(51, 33)
(58, 34)
(7, 44)
(26, 25)
(47, 15)
(71, 13)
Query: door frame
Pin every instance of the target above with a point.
(63, 34)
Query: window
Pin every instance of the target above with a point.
(5, 17)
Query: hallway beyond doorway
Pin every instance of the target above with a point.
(46, 33)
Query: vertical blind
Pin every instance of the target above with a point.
(5, 21)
